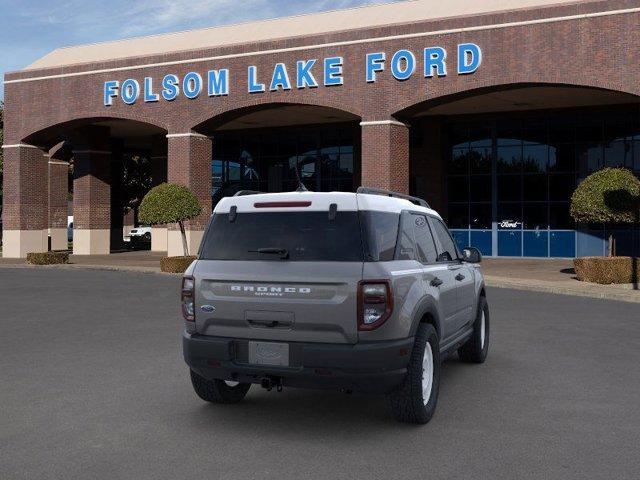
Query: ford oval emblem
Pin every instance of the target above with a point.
(207, 308)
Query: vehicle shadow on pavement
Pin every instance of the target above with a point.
(310, 410)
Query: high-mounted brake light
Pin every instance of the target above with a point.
(281, 204)
(375, 303)
(187, 298)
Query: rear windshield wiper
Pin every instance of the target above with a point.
(283, 252)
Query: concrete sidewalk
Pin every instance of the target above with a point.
(136, 261)
(540, 275)
(552, 276)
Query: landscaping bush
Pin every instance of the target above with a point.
(608, 196)
(607, 270)
(169, 203)
(175, 264)
(48, 258)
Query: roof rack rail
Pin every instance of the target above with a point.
(389, 193)
(242, 193)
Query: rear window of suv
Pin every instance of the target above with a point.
(305, 236)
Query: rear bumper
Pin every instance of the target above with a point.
(375, 367)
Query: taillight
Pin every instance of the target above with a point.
(375, 303)
(188, 304)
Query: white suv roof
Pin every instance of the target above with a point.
(317, 201)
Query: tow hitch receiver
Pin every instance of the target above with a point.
(268, 383)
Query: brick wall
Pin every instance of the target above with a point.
(24, 201)
(189, 164)
(58, 189)
(385, 156)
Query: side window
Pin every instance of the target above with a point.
(406, 245)
(424, 241)
(447, 249)
(380, 233)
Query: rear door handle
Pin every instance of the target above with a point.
(460, 277)
(436, 282)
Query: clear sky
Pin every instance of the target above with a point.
(31, 28)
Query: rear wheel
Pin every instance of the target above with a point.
(477, 347)
(218, 391)
(414, 401)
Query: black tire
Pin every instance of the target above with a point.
(147, 236)
(476, 350)
(217, 391)
(406, 401)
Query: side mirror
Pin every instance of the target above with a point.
(471, 255)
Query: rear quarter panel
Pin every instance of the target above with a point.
(407, 290)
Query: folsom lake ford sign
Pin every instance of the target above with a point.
(309, 73)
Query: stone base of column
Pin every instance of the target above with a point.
(58, 238)
(174, 242)
(159, 239)
(91, 242)
(17, 243)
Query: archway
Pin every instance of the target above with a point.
(269, 147)
(500, 164)
(113, 163)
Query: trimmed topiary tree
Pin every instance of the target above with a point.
(170, 203)
(609, 196)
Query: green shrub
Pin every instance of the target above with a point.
(169, 203)
(175, 264)
(607, 270)
(47, 258)
(610, 195)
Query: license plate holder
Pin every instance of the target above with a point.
(269, 353)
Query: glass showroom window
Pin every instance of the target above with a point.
(538, 160)
(469, 186)
(266, 160)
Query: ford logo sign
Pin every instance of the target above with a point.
(207, 308)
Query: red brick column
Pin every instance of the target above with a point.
(24, 201)
(158, 175)
(158, 159)
(91, 191)
(385, 155)
(58, 190)
(189, 164)
(91, 202)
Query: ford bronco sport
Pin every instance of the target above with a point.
(358, 291)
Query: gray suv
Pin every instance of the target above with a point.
(361, 291)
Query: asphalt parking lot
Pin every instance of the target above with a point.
(93, 386)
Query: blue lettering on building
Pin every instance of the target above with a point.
(218, 82)
(375, 64)
(192, 85)
(149, 95)
(469, 58)
(170, 87)
(402, 66)
(304, 74)
(280, 78)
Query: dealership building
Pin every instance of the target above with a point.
(491, 110)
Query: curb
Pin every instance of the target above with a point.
(491, 281)
(630, 296)
(113, 268)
